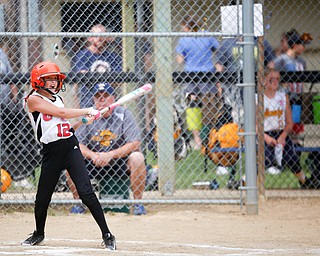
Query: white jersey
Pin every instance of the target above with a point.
(49, 128)
(274, 112)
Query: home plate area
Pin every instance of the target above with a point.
(73, 247)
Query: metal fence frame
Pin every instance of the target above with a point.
(163, 60)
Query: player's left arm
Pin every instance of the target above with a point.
(89, 119)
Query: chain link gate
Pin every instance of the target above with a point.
(191, 124)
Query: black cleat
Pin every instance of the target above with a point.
(35, 239)
(109, 241)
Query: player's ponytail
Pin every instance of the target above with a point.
(25, 99)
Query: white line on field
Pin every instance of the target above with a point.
(10, 248)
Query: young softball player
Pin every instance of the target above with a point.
(60, 149)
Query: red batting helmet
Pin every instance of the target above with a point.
(41, 71)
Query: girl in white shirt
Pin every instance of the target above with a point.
(278, 125)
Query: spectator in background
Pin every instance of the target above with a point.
(143, 64)
(8, 97)
(292, 61)
(16, 135)
(278, 126)
(111, 145)
(229, 66)
(229, 61)
(284, 47)
(95, 58)
(229, 47)
(8, 92)
(195, 53)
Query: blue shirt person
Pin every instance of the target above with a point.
(196, 54)
(95, 58)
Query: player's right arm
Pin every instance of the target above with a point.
(36, 103)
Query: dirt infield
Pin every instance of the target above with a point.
(283, 227)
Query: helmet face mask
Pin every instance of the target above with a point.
(53, 87)
(43, 70)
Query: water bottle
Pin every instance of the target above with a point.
(278, 151)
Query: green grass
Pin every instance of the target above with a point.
(191, 169)
(285, 180)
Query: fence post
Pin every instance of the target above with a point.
(164, 98)
(249, 108)
(260, 121)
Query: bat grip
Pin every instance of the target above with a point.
(84, 120)
(102, 112)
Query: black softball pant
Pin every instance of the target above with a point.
(57, 156)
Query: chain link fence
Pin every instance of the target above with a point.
(192, 124)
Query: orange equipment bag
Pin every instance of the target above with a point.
(226, 137)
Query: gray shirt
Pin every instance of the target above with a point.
(110, 133)
(285, 63)
(5, 68)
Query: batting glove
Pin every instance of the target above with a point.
(93, 112)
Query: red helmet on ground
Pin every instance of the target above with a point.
(43, 70)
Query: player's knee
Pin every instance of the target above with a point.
(42, 203)
(88, 199)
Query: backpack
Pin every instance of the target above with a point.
(226, 137)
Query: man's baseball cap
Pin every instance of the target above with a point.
(103, 87)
